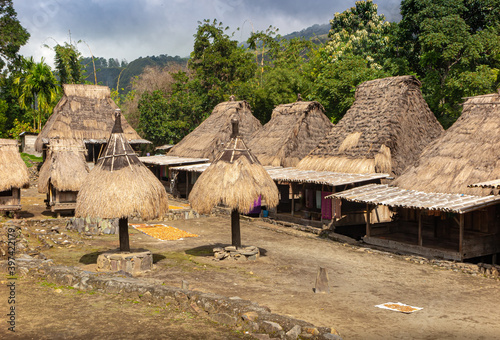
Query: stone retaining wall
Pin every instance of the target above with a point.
(234, 312)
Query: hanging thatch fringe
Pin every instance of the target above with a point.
(293, 131)
(467, 153)
(13, 170)
(210, 136)
(386, 128)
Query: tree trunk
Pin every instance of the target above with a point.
(124, 242)
(235, 229)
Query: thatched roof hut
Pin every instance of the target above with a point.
(384, 131)
(294, 130)
(210, 136)
(468, 152)
(65, 167)
(13, 170)
(85, 112)
(120, 186)
(236, 179)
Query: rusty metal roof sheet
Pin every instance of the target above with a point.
(170, 160)
(382, 194)
(302, 176)
(495, 184)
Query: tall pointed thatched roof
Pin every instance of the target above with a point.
(120, 186)
(85, 112)
(13, 170)
(384, 131)
(235, 178)
(294, 130)
(209, 137)
(65, 166)
(468, 152)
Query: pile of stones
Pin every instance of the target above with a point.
(250, 253)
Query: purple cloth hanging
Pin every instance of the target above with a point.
(256, 206)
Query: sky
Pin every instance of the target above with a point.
(129, 29)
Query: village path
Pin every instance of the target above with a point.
(455, 305)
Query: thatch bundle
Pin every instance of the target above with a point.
(120, 186)
(236, 179)
(209, 138)
(65, 166)
(85, 112)
(467, 153)
(13, 170)
(384, 131)
(294, 130)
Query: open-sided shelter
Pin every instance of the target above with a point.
(120, 186)
(62, 174)
(13, 176)
(384, 131)
(85, 113)
(437, 213)
(294, 130)
(212, 135)
(235, 179)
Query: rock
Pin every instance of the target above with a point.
(330, 336)
(310, 330)
(294, 333)
(224, 318)
(250, 316)
(185, 285)
(271, 328)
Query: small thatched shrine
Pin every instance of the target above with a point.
(85, 113)
(384, 131)
(235, 179)
(62, 174)
(294, 130)
(120, 186)
(210, 137)
(436, 212)
(13, 176)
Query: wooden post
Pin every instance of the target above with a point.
(235, 229)
(123, 229)
(187, 184)
(368, 213)
(420, 227)
(461, 235)
(293, 200)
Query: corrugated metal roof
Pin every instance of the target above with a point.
(495, 184)
(171, 160)
(382, 194)
(302, 176)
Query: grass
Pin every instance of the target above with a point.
(30, 159)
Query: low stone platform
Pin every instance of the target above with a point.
(134, 262)
(251, 253)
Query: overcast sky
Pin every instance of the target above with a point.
(129, 29)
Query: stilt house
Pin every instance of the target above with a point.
(13, 176)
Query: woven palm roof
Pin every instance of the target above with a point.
(13, 170)
(235, 178)
(120, 186)
(467, 153)
(211, 135)
(85, 112)
(385, 130)
(65, 166)
(294, 130)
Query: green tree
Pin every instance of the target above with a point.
(454, 47)
(67, 62)
(12, 35)
(37, 89)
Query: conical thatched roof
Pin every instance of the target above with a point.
(85, 112)
(294, 130)
(384, 131)
(120, 186)
(235, 178)
(13, 170)
(467, 153)
(65, 166)
(209, 137)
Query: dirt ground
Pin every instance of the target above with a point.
(455, 305)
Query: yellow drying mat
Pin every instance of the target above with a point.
(163, 232)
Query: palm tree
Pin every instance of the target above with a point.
(37, 89)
